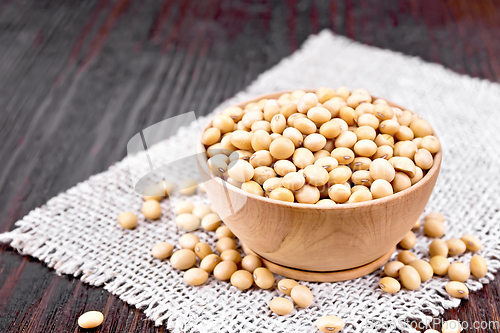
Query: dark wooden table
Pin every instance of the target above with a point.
(79, 78)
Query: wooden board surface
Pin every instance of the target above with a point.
(79, 78)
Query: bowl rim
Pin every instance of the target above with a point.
(201, 152)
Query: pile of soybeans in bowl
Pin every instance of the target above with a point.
(326, 147)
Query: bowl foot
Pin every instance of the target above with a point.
(333, 276)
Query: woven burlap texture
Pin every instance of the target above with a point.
(77, 232)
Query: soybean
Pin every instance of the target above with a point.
(389, 285)
(251, 263)
(195, 276)
(183, 259)
(90, 319)
(224, 270)
(440, 265)
(127, 220)
(242, 279)
(162, 250)
(478, 267)
(263, 278)
(330, 324)
(457, 289)
(302, 296)
(458, 272)
(286, 286)
(409, 277)
(456, 247)
(281, 306)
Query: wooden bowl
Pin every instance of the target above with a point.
(318, 238)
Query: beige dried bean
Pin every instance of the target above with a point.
(459, 272)
(261, 158)
(305, 126)
(263, 173)
(231, 255)
(339, 193)
(223, 231)
(456, 247)
(315, 175)
(183, 259)
(284, 167)
(319, 115)
(314, 142)
(211, 136)
(278, 123)
(406, 257)
(419, 174)
(250, 263)
(242, 279)
(209, 262)
(260, 140)
(478, 266)
(251, 117)
(389, 285)
(195, 276)
(472, 243)
(282, 194)
(409, 240)
(457, 289)
(302, 296)
(281, 306)
(438, 247)
(356, 99)
(431, 143)
(326, 202)
(330, 324)
(423, 268)
(439, 265)
(434, 228)
(286, 286)
(365, 133)
(348, 115)
(291, 120)
(392, 268)
(389, 126)
(410, 278)
(188, 186)
(365, 148)
(151, 209)
(241, 139)
(224, 270)
(403, 164)
(330, 129)
(225, 243)
(271, 109)
(263, 278)
(187, 222)
(382, 169)
(324, 94)
(188, 241)
(272, 184)
(224, 123)
(423, 159)
(383, 112)
(328, 163)
(420, 128)
(90, 319)
(343, 155)
(307, 194)
(294, 135)
(384, 140)
(211, 222)
(381, 188)
(241, 171)
(202, 250)
(434, 216)
(360, 163)
(385, 152)
(404, 133)
(362, 177)
(360, 196)
(303, 157)
(240, 155)
(401, 182)
(306, 102)
(288, 110)
(405, 149)
(293, 181)
(282, 148)
(128, 220)
(346, 139)
(162, 250)
(340, 175)
(201, 211)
